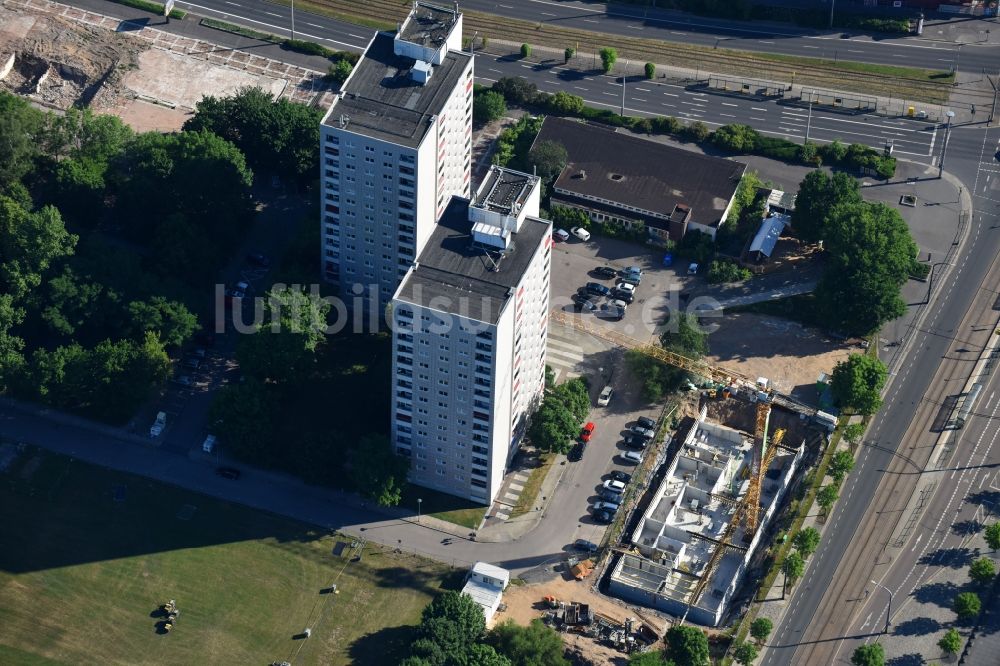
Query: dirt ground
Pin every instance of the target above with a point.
(789, 354)
(524, 605)
(147, 117)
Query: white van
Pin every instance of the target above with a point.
(581, 233)
(209, 444)
(561, 234)
(159, 424)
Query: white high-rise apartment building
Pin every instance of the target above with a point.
(469, 329)
(396, 145)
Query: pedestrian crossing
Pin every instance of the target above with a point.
(563, 354)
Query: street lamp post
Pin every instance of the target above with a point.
(888, 609)
(833, 3)
(809, 118)
(419, 502)
(944, 148)
(293, 20)
(624, 75)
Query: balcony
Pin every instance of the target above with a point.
(480, 450)
(483, 370)
(403, 360)
(482, 382)
(484, 358)
(481, 416)
(481, 405)
(406, 349)
(405, 395)
(481, 393)
(484, 347)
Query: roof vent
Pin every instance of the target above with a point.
(421, 72)
(581, 175)
(616, 177)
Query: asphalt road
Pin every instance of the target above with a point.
(820, 622)
(677, 27)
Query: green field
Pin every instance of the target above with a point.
(82, 574)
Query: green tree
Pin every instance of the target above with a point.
(853, 434)
(378, 473)
(736, 137)
(274, 134)
(818, 194)
(745, 653)
(339, 71)
(871, 254)
(698, 131)
(609, 57)
(650, 70)
(827, 497)
(525, 50)
(515, 89)
(242, 416)
(722, 271)
(568, 53)
(793, 567)
(951, 642)
(686, 337)
(489, 106)
(992, 535)
(552, 426)
(857, 383)
(760, 629)
(450, 631)
(534, 645)
(840, 466)
(173, 323)
(982, 571)
(21, 126)
(549, 158)
(687, 646)
(967, 605)
(869, 655)
(574, 395)
(836, 151)
(806, 541)
(11, 346)
(565, 104)
(285, 345)
(30, 242)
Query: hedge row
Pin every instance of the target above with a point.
(153, 7)
(297, 45)
(735, 137)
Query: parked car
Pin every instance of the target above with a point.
(605, 397)
(610, 507)
(587, 431)
(646, 422)
(209, 444)
(561, 234)
(191, 362)
(610, 495)
(183, 380)
(633, 457)
(159, 424)
(585, 302)
(605, 272)
(258, 259)
(631, 274)
(586, 546)
(575, 453)
(613, 311)
(642, 431)
(597, 289)
(581, 233)
(619, 475)
(635, 441)
(243, 286)
(228, 472)
(626, 296)
(615, 486)
(603, 517)
(198, 353)
(626, 287)
(618, 303)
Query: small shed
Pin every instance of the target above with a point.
(485, 584)
(767, 237)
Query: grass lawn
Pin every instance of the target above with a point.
(442, 506)
(527, 498)
(82, 575)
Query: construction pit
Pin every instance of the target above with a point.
(59, 57)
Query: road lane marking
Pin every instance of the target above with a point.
(579, 88)
(757, 108)
(356, 36)
(234, 4)
(670, 105)
(547, 14)
(643, 89)
(764, 42)
(671, 94)
(612, 94)
(638, 99)
(273, 14)
(496, 70)
(727, 115)
(588, 21)
(314, 25)
(757, 119)
(728, 104)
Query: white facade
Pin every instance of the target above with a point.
(396, 145)
(469, 350)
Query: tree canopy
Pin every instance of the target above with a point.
(992, 535)
(558, 418)
(806, 541)
(857, 384)
(488, 105)
(276, 135)
(687, 646)
(819, 193)
(793, 567)
(548, 158)
(761, 628)
(450, 634)
(869, 655)
(951, 642)
(967, 605)
(534, 645)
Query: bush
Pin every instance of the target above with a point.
(666, 125)
(516, 90)
(568, 53)
(967, 605)
(339, 71)
(736, 137)
(308, 48)
(727, 271)
(154, 7)
(488, 106)
(698, 131)
(650, 70)
(525, 50)
(608, 58)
